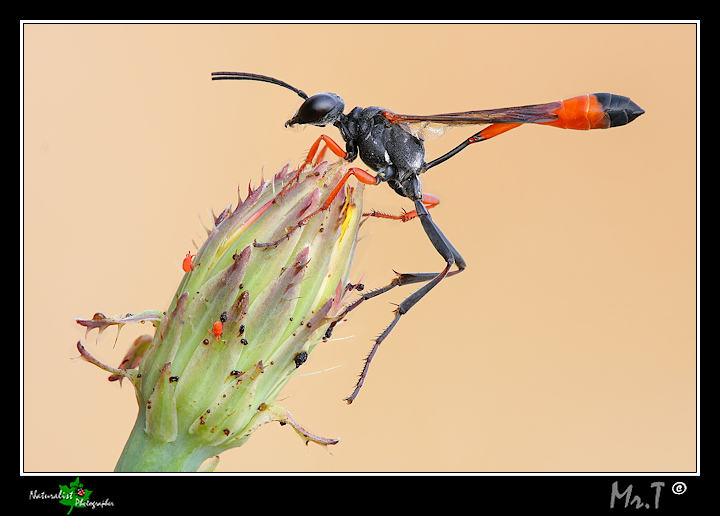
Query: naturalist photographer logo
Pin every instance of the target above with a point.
(72, 496)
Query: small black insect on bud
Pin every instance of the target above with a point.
(300, 358)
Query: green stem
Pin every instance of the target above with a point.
(144, 454)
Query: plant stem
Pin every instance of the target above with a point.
(143, 454)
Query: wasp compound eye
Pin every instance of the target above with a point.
(316, 107)
(320, 109)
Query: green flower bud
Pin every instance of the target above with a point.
(245, 316)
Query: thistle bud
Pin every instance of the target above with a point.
(255, 300)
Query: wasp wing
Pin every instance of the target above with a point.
(426, 131)
(532, 114)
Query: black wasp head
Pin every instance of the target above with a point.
(321, 109)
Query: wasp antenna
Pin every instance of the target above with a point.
(245, 76)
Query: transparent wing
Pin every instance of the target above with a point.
(533, 114)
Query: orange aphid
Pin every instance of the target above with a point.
(216, 329)
(188, 264)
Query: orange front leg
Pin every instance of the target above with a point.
(329, 144)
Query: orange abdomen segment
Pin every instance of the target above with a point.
(596, 111)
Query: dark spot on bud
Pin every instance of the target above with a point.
(300, 358)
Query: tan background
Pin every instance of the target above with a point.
(567, 345)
